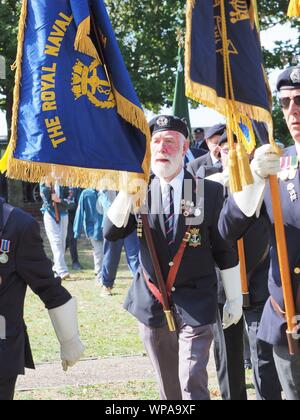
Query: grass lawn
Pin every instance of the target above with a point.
(106, 330)
(132, 390)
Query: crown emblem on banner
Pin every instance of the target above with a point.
(87, 82)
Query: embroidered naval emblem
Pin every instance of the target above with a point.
(295, 75)
(162, 121)
(195, 238)
(90, 81)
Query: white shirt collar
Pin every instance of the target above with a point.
(298, 148)
(214, 159)
(175, 183)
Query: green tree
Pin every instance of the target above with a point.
(146, 31)
(9, 16)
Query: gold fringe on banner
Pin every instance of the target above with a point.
(208, 96)
(227, 106)
(135, 116)
(67, 175)
(76, 177)
(83, 42)
(294, 8)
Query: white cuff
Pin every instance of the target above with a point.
(120, 209)
(64, 321)
(231, 279)
(250, 200)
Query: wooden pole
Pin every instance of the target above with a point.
(282, 250)
(158, 274)
(243, 270)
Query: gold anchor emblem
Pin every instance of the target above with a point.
(86, 82)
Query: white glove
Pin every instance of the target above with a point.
(120, 209)
(64, 321)
(266, 161)
(233, 308)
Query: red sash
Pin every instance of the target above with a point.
(173, 270)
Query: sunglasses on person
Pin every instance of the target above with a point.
(285, 102)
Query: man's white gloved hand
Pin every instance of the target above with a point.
(266, 162)
(120, 209)
(64, 321)
(233, 308)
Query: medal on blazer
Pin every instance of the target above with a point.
(188, 209)
(4, 249)
(289, 166)
(195, 238)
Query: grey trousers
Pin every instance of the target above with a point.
(288, 368)
(179, 359)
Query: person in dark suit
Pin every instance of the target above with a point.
(229, 348)
(209, 163)
(183, 217)
(23, 263)
(241, 211)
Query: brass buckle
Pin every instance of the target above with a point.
(187, 237)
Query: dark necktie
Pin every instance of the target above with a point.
(169, 216)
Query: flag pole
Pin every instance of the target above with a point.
(158, 273)
(284, 267)
(282, 251)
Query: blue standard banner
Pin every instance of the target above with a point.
(77, 119)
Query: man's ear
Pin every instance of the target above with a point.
(186, 146)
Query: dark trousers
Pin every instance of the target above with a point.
(288, 368)
(71, 241)
(265, 377)
(112, 254)
(7, 388)
(229, 359)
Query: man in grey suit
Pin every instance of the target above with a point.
(210, 163)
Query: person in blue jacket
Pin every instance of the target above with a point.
(89, 218)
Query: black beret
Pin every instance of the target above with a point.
(216, 129)
(289, 79)
(168, 122)
(198, 130)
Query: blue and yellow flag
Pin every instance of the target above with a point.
(224, 65)
(77, 119)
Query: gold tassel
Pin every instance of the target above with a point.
(235, 183)
(83, 42)
(244, 166)
(294, 8)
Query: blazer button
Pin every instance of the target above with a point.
(171, 264)
(297, 270)
(173, 289)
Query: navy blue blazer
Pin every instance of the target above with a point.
(195, 290)
(27, 266)
(234, 224)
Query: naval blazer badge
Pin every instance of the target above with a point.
(195, 238)
(4, 249)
